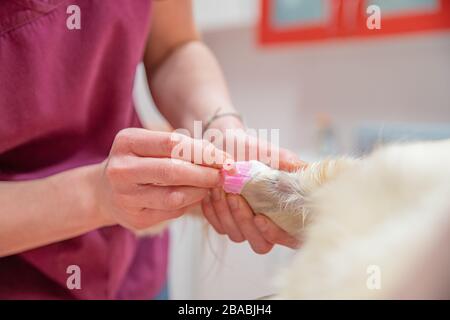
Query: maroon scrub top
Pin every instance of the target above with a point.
(64, 94)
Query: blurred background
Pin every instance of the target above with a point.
(314, 70)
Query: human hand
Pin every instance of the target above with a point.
(231, 215)
(141, 185)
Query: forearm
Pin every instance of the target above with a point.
(188, 85)
(39, 212)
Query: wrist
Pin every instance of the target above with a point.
(92, 198)
(227, 122)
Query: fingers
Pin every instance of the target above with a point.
(243, 215)
(249, 147)
(289, 161)
(176, 172)
(210, 215)
(150, 217)
(146, 143)
(164, 198)
(128, 170)
(220, 206)
(229, 214)
(274, 234)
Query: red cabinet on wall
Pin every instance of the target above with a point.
(288, 21)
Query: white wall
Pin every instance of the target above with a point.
(397, 79)
(219, 14)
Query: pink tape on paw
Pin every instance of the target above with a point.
(234, 183)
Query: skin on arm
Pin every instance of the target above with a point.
(185, 79)
(38, 212)
(187, 84)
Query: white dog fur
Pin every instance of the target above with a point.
(377, 227)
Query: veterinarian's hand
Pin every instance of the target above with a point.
(141, 185)
(231, 215)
